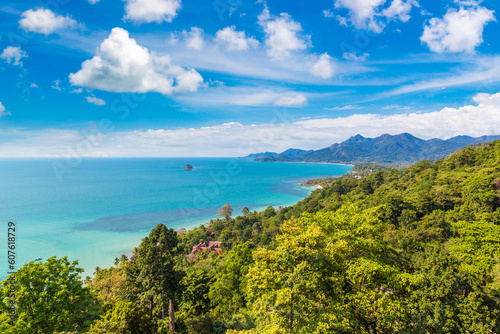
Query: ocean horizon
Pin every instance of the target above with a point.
(96, 209)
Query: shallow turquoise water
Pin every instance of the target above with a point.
(98, 209)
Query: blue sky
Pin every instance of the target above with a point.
(229, 78)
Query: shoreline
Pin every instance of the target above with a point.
(306, 162)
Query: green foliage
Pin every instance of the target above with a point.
(225, 211)
(49, 297)
(153, 273)
(368, 168)
(123, 317)
(412, 251)
(227, 294)
(447, 300)
(195, 287)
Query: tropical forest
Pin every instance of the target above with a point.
(394, 251)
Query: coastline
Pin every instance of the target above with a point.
(305, 162)
(93, 216)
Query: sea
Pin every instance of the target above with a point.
(95, 209)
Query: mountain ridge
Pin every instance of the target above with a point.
(403, 148)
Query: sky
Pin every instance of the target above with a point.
(223, 78)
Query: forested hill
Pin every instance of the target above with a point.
(400, 149)
(412, 251)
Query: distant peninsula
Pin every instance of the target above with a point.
(403, 149)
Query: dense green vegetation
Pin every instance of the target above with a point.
(412, 251)
(368, 168)
(357, 171)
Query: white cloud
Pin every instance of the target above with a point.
(121, 65)
(194, 38)
(93, 2)
(147, 11)
(362, 12)
(323, 68)
(13, 54)
(458, 31)
(342, 20)
(281, 34)
(328, 13)
(77, 91)
(370, 14)
(236, 139)
(95, 100)
(56, 85)
(33, 85)
(354, 57)
(399, 10)
(483, 119)
(235, 40)
(2, 111)
(291, 101)
(44, 21)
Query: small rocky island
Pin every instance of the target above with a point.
(188, 167)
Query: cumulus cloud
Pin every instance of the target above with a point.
(458, 31)
(235, 40)
(194, 38)
(13, 55)
(147, 11)
(282, 34)
(399, 10)
(95, 100)
(371, 14)
(362, 12)
(122, 65)
(323, 68)
(2, 111)
(44, 21)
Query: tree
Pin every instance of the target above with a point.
(330, 272)
(291, 289)
(245, 211)
(110, 284)
(447, 300)
(225, 212)
(152, 271)
(123, 318)
(227, 296)
(50, 297)
(195, 301)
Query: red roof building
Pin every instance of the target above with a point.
(213, 246)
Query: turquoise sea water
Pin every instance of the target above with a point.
(98, 209)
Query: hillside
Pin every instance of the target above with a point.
(402, 149)
(412, 251)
